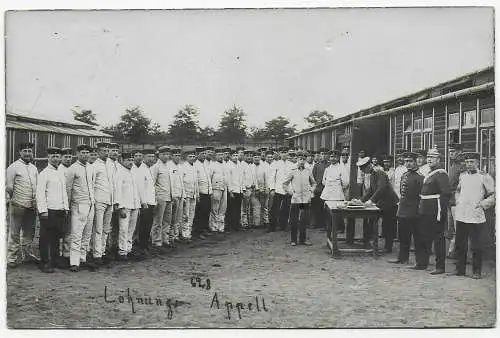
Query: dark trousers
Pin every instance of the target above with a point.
(429, 231)
(367, 230)
(318, 210)
(350, 229)
(285, 211)
(299, 217)
(227, 225)
(112, 245)
(405, 233)
(275, 211)
(51, 230)
(389, 226)
(234, 211)
(145, 223)
(464, 231)
(201, 215)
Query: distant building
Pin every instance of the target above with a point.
(44, 133)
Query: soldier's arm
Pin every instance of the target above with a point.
(9, 183)
(489, 188)
(287, 180)
(380, 187)
(41, 197)
(70, 176)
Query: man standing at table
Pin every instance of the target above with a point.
(20, 185)
(318, 215)
(299, 185)
(475, 193)
(381, 193)
(432, 210)
(408, 218)
(80, 191)
(52, 204)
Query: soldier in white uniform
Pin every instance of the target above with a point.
(248, 171)
(66, 161)
(475, 193)
(235, 186)
(202, 213)
(261, 192)
(112, 239)
(21, 184)
(217, 174)
(129, 202)
(177, 196)
(53, 208)
(190, 181)
(80, 191)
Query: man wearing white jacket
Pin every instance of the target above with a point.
(217, 174)
(261, 195)
(176, 177)
(192, 194)
(235, 191)
(278, 169)
(128, 201)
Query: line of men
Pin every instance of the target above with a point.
(98, 206)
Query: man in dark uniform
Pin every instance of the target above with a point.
(411, 185)
(432, 209)
(381, 193)
(318, 170)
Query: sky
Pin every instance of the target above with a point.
(269, 62)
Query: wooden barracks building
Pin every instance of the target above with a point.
(44, 133)
(457, 111)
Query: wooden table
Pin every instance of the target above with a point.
(371, 212)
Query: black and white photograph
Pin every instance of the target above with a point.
(250, 168)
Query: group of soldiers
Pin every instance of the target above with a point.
(98, 205)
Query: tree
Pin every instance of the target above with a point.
(84, 115)
(232, 127)
(279, 128)
(318, 116)
(133, 126)
(206, 134)
(185, 127)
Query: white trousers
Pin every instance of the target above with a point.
(188, 216)
(126, 228)
(81, 230)
(218, 210)
(102, 228)
(175, 228)
(162, 219)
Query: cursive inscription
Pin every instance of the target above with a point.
(239, 307)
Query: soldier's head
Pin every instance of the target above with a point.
(227, 154)
(103, 150)
(82, 153)
(361, 154)
(200, 153)
(269, 156)
(387, 162)
(176, 155)
(219, 155)
(410, 160)
(256, 158)
(344, 156)
(300, 158)
(149, 157)
(54, 156)
(114, 151)
(248, 156)
(310, 158)
(127, 160)
(364, 164)
(433, 157)
(471, 160)
(164, 153)
(234, 156)
(26, 151)
(92, 155)
(67, 156)
(138, 157)
(333, 157)
(190, 156)
(454, 151)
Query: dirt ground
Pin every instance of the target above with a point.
(293, 287)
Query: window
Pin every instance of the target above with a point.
(487, 116)
(407, 142)
(67, 141)
(32, 137)
(427, 141)
(348, 130)
(80, 140)
(92, 141)
(453, 137)
(487, 151)
(469, 120)
(453, 121)
(51, 140)
(407, 125)
(428, 123)
(417, 125)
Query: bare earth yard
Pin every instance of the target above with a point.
(292, 287)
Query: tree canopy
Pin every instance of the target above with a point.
(84, 115)
(317, 117)
(232, 126)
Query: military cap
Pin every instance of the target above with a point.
(189, 152)
(176, 151)
(292, 152)
(102, 144)
(301, 153)
(363, 161)
(81, 147)
(137, 151)
(400, 151)
(209, 148)
(93, 149)
(148, 151)
(240, 148)
(470, 155)
(409, 154)
(164, 149)
(456, 146)
(248, 152)
(127, 155)
(263, 149)
(220, 150)
(199, 149)
(282, 149)
(269, 152)
(26, 145)
(113, 145)
(67, 151)
(53, 150)
(234, 151)
(421, 152)
(433, 152)
(387, 158)
(226, 150)
(345, 152)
